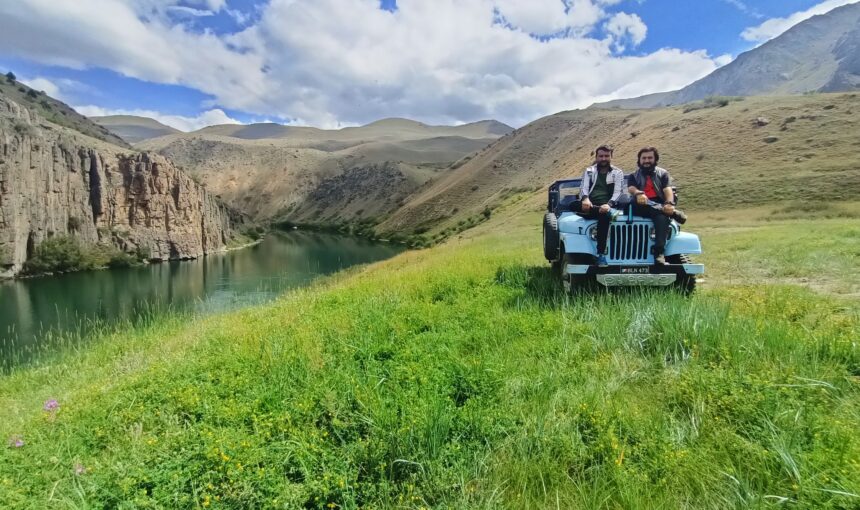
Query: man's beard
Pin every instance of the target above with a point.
(603, 165)
(648, 168)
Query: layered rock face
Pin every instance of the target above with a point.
(54, 181)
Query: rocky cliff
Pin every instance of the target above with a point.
(55, 181)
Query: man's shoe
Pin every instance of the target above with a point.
(601, 261)
(614, 213)
(660, 259)
(679, 216)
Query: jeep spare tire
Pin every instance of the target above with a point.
(550, 237)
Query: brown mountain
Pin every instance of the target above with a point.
(132, 128)
(761, 150)
(309, 175)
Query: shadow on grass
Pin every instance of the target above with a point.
(533, 285)
(539, 286)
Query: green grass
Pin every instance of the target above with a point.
(455, 377)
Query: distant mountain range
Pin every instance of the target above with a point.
(309, 175)
(821, 54)
(132, 128)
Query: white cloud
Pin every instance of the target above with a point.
(337, 62)
(623, 26)
(723, 59)
(187, 124)
(744, 8)
(43, 84)
(63, 89)
(776, 26)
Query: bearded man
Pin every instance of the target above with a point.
(650, 186)
(602, 189)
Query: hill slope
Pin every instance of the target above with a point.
(56, 111)
(759, 150)
(821, 54)
(58, 183)
(132, 128)
(309, 175)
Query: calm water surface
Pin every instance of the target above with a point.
(33, 311)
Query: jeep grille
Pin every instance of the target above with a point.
(628, 242)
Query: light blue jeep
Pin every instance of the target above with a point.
(570, 245)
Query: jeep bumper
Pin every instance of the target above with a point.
(637, 275)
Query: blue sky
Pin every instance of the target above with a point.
(332, 63)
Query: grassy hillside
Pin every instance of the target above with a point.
(460, 377)
(749, 152)
(56, 111)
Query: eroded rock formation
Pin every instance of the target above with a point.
(54, 181)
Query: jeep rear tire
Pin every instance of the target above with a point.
(550, 237)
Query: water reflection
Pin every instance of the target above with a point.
(31, 308)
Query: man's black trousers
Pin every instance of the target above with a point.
(602, 222)
(661, 224)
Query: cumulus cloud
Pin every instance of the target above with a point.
(43, 84)
(777, 26)
(187, 124)
(626, 27)
(331, 63)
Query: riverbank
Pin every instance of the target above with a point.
(459, 376)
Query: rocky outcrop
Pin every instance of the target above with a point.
(54, 181)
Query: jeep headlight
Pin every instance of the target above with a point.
(652, 234)
(592, 233)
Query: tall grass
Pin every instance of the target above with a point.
(457, 377)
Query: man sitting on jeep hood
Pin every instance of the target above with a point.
(602, 189)
(651, 189)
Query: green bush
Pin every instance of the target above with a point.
(66, 253)
(61, 253)
(711, 102)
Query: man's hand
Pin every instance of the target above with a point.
(586, 204)
(604, 209)
(641, 199)
(668, 209)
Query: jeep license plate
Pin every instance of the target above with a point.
(635, 270)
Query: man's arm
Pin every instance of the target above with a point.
(668, 196)
(637, 194)
(583, 191)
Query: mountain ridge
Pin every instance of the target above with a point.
(820, 54)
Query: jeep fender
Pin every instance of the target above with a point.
(684, 243)
(578, 243)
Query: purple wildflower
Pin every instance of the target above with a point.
(51, 405)
(16, 442)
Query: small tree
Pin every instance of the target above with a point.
(10, 77)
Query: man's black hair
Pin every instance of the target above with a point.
(604, 148)
(648, 149)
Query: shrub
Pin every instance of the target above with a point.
(711, 102)
(10, 77)
(23, 128)
(60, 253)
(74, 223)
(66, 253)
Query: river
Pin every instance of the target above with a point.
(37, 313)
